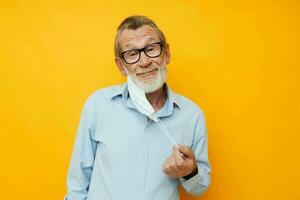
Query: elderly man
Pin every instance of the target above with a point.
(122, 153)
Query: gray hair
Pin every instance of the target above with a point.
(132, 23)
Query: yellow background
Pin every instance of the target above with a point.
(239, 60)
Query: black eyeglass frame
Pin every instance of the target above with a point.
(161, 44)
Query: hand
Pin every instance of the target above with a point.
(181, 163)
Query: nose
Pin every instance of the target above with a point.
(144, 60)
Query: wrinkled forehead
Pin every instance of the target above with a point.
(137, 38)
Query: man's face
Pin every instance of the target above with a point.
(148, 73)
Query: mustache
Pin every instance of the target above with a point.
(143, 70)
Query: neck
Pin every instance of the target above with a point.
(157, 98)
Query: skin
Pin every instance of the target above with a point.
(182, 161)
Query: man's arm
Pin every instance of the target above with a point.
(198, 184)
(82, 160)
(191, 165)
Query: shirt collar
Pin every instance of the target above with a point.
(172, 97)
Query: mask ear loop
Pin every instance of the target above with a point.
(161, 125)
(165, 130)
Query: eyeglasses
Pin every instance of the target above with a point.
(133, 55)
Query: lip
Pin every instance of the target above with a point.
(152, 72)
(149, 73)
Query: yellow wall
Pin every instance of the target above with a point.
(239, 60)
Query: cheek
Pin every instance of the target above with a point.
(158, 62)
(130, 69)
(161, 61)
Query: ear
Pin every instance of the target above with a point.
(167, 52)
(120, 66)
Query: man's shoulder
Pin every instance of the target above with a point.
(106, 92)
(186, 103)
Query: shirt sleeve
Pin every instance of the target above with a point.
(199, 183)
(82, 160)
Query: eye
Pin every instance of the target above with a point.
(132, 53)
(150, 48)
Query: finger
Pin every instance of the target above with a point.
(180, 162)
(166, 166)
(173, 169)
(173, 166)
(187, 151)
(175, 148)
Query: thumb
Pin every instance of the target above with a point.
(187, 151)
(176, 152)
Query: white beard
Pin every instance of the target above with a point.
(151, 84)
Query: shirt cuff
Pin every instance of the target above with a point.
(199, 179)
(187, 177)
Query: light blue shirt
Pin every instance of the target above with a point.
(118, 153)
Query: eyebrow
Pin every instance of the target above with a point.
(147, 41)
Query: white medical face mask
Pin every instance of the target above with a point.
(138, 98)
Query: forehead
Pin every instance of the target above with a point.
(137, 38)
